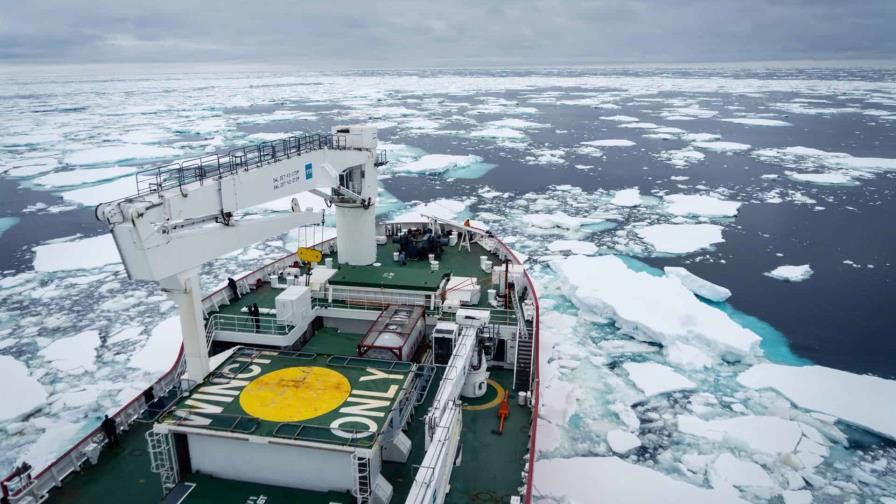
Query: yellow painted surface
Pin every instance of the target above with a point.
(295, 394)
(491, 404)
(310, 255)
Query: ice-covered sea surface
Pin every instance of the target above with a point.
(715, 382)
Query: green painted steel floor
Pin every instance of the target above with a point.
(210, 490)
(491, 464)
(458, 263)
(332, 341)
(121, 475)
(489, 471)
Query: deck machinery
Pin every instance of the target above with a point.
(337, 390)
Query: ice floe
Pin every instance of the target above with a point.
(111, 154)
(681, 238)
(432, 164)
(766, 434)
(695, 204)
(82, 176)
(610, 479)
(626, 197)
(83, 253)
(75, 354)
(861, 400)
(160, 351)
(757, 121)
(653, 378)
(28, 393)
(719, 146)
(573, 246)
(621, 441)
(651, 308)
(610, 142)
(791, 273)
(95, 194)
(703, 288)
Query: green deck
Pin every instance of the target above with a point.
(489, 472)
(202, 489)
(287, 401)
(331, 341)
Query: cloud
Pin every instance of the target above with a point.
(344, 33)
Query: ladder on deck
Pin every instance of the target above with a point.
(162, 459)
(363, 485)
(522, 372)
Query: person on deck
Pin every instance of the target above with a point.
(233, 288)
(255, 313)
(111, 430)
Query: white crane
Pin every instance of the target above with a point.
(184, 216)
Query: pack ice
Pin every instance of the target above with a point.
(651, 308)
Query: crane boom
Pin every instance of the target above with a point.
(185, 216)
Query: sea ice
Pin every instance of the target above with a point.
(620, 118)
(82, 176)
(757, 121)
(832, 178)
(621, 441)
(25, 392)
(695, 204)
(500, 133)
(574, 246)
(76, 254)
(96, 194)
(651, 308)
(115, 153)
(681, 158)
(609, 143)
(627, 198)
(611, 479)
(516, 124)
(861, 400)
(728, 471)
(442, 208)
(697, 285)
(722, 146)
(681, 238)
(765, 434)
(557, 220)
(790, 273)
(75, 354)
(653, 378)
(432, 164)
(160, 351)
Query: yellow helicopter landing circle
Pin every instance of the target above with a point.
(295, 394)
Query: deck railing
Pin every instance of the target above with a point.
(240, 159)
(245, 324)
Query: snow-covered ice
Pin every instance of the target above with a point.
(574, 246)
(653, 378)
(76, 254)
(697, 285)
(757, 121)
(621, 441)
(790, 273)
(609, 143)
(681, 238)
(114, 153)
(160, 351)
(862, 400)
(719, 146)
(83, 176)
(651, 308)
(27, 393)
(626, 197)
(75, 354)
(696, 204)
(766, 434)
(432, 164)
(610, 479)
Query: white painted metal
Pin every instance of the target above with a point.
(167, 234)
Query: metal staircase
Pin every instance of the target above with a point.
(162, 459)
(522, 374)
(363, 485)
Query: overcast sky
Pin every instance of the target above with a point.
(428, 33)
